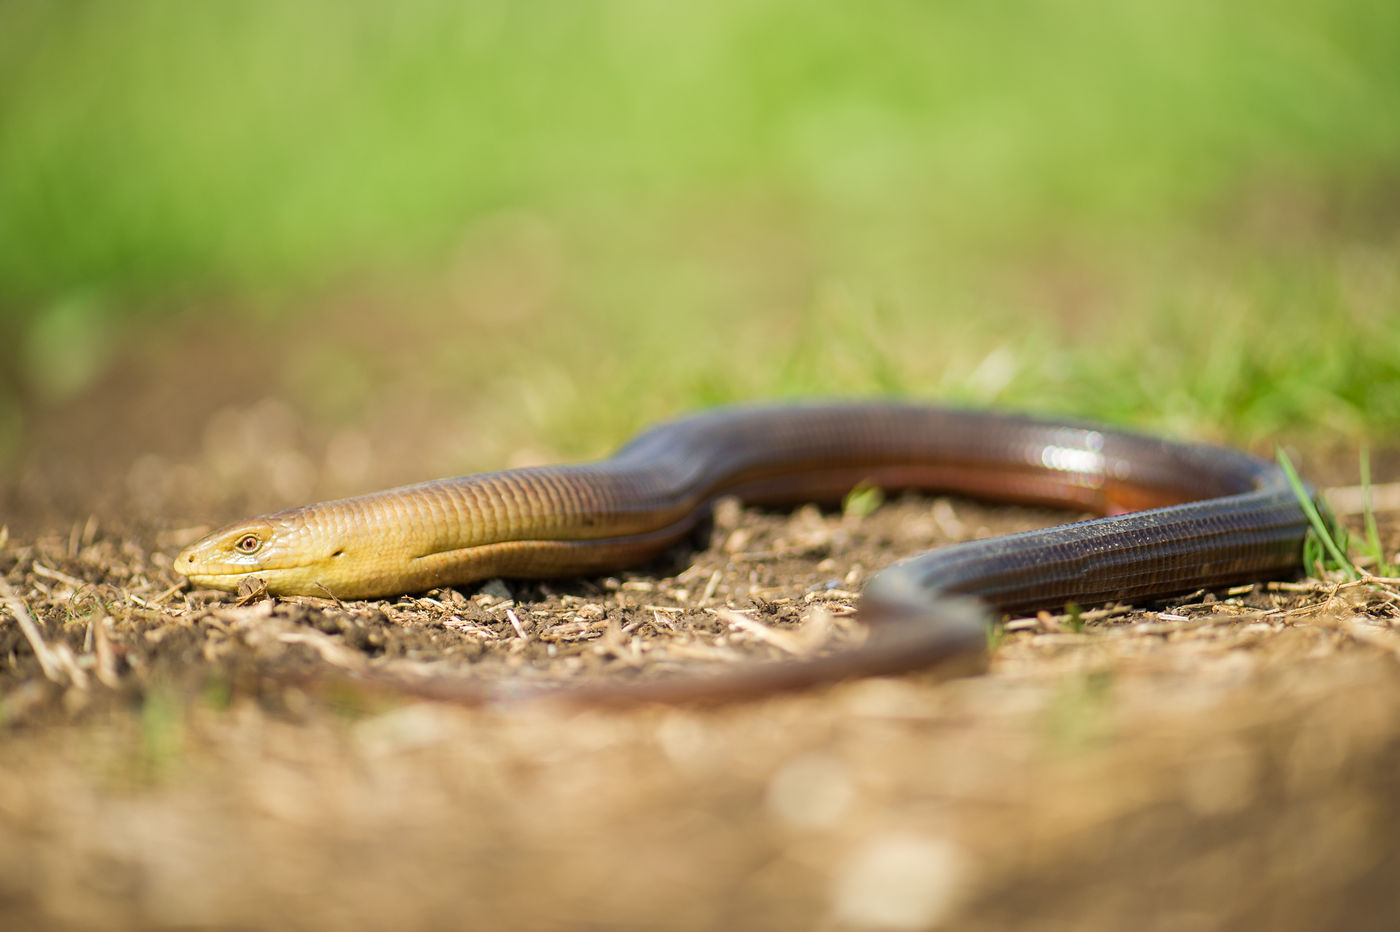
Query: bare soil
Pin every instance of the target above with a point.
(1226, 762)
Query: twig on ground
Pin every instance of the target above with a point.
(515, 623)
(47, 661)
(329, 649)
(57, 576)
(782, 640)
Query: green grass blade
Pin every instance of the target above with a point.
(1319, 525)
(1373, 535)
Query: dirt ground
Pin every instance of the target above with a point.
(1219, 763)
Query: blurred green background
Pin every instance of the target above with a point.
(1183, 215)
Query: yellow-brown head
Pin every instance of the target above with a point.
(291, 554)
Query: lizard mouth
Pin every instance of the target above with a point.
(227, 582)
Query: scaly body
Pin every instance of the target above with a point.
(1177, 517)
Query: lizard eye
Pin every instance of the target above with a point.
(248, 543)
